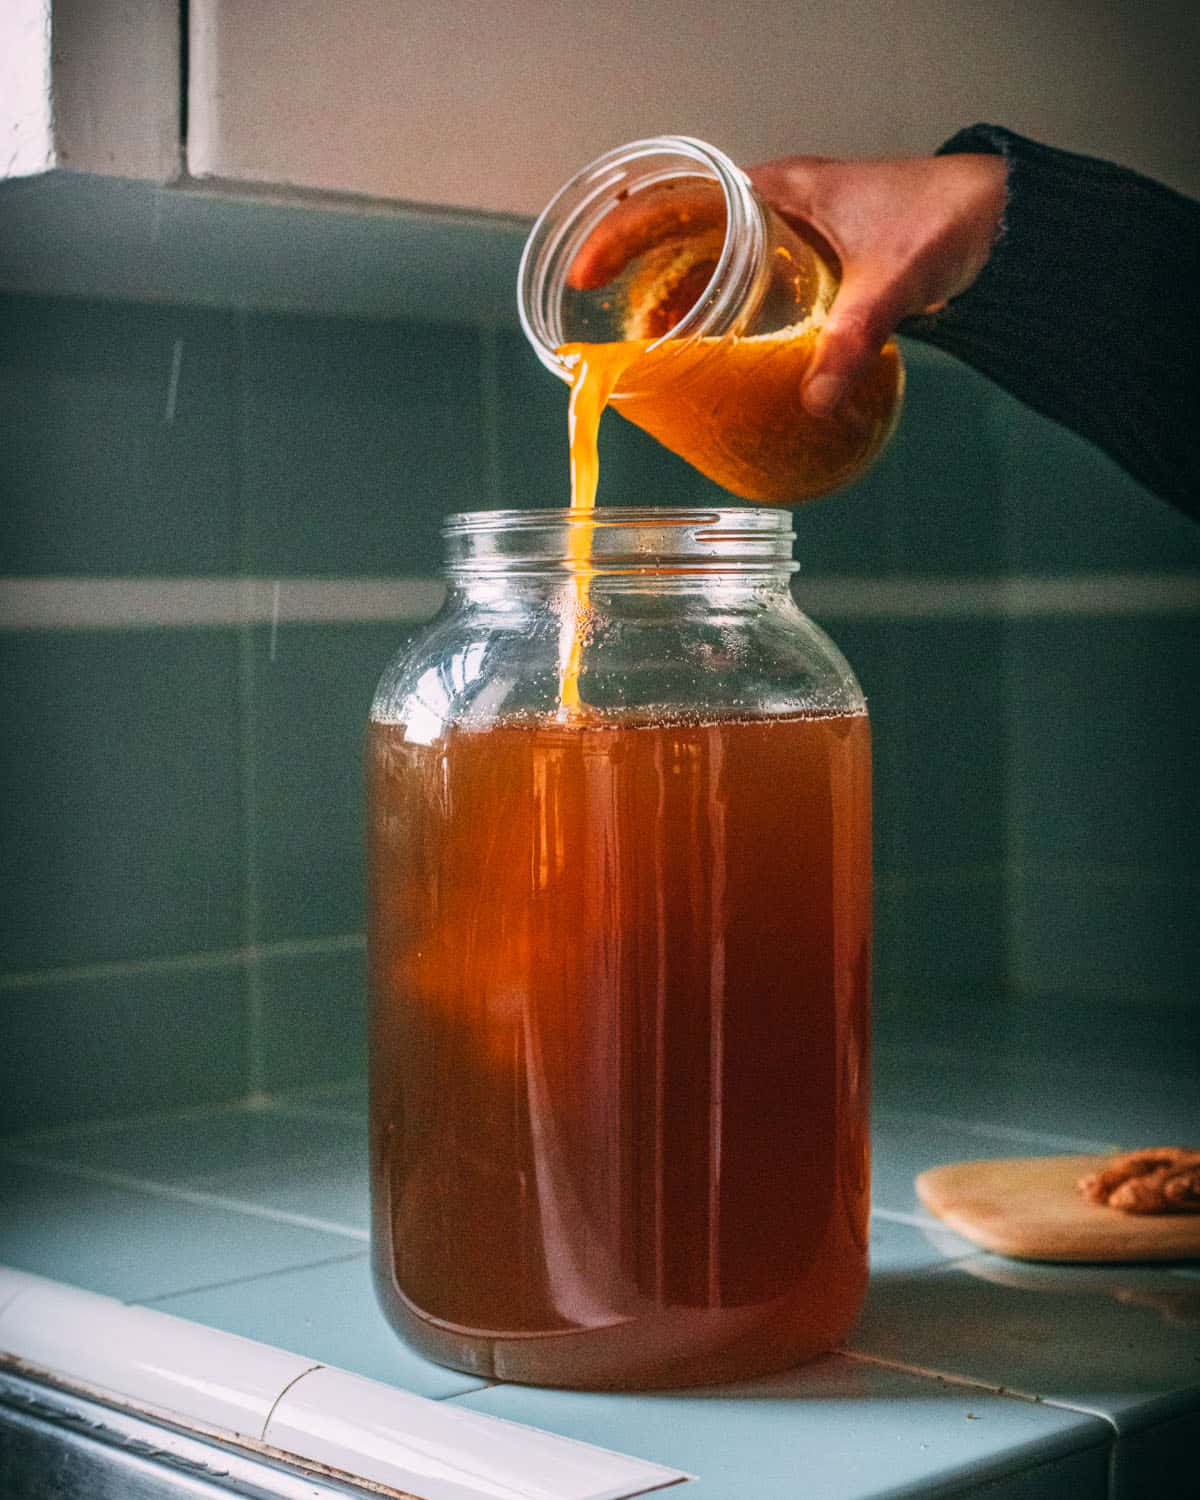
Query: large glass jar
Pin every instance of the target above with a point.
(620, 959)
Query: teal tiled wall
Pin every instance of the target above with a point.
(180, 830)
(119, 455)
(356, 439)
(120, 752)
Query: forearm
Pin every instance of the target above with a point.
(1088, 309)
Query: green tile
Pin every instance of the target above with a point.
(871, 648)
(119, 435)
(635, 469)
(292, 1160)
(79, 1048)
(327, 1313)
(1121, 1347)
(1110, 934)
(313, 686)
(314, 1027)
(347, 1099)
(856, 530)
(1070, 508)
(139, 1245)
(188, 1147)
(944, 933)
(838, 1428)
(905, 1145)
(88, 232)
(939, 736)
(1157, 1034)
(1106, 759)
(358, 438)
(120, 832)
(531, 427)
(931, 503)
(950, 518)
(322, 1178)
(955, 743)
(903, 1245)
(1028, 1065)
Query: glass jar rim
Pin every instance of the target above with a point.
(622, 539)
(579, 205)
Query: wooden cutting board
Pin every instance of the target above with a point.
(1030, 1208)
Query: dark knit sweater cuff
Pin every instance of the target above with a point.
(1088, 310)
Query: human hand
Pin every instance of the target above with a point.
(910, 233)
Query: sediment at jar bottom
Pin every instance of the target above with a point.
(619, 979)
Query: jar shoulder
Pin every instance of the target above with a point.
(642, 656)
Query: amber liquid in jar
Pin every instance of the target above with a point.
(619, 975)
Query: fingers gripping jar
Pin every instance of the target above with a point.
(662, 255)
(620, 960)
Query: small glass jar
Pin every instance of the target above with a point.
(620, 961)
(666, 243)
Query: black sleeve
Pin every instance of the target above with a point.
(1088, 309)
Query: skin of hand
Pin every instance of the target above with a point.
(909, 233)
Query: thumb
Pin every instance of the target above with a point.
(864, 313)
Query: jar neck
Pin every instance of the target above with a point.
(742, 548)
(579, 207)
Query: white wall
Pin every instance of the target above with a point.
(26, 144)
(115, 86)
(492, 103)
(90, 86)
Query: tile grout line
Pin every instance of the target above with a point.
(968, 1382)
(913, 1221)
(252, 983)
(901, 892)
(145, 1120)
(897, 878)
(1014, 829)
(267, 1104)
(332, 1109)
(1000, 1132)
(329, 1112)
(220, 1286)
(489, 392)
(335, 1089)
(181, 1194)
(128, 968)
(253, 967)
(139, 602)
(142, 602)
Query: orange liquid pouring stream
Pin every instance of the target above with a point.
(596, 368)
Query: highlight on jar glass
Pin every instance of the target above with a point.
(659, 281)
(619, 962)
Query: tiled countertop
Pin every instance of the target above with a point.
(967, 1374)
